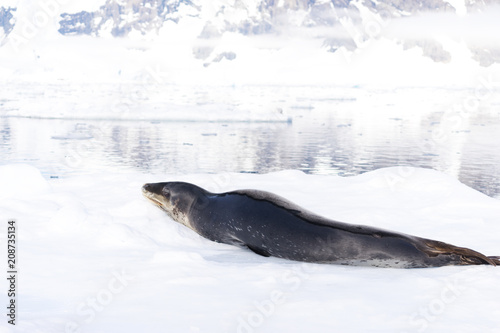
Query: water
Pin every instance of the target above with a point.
(326, 136)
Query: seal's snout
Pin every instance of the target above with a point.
(151, 192)
(152, 188)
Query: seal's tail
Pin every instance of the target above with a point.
(467, 256)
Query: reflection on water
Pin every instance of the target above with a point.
(334, 142)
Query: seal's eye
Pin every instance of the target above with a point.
(166, 193)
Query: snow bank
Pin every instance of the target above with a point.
(95, 256)
(20, 179)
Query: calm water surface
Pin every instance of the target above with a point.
(341, 142)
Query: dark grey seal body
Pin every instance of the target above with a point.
(270, 225)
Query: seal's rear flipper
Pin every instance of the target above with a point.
(495, 259)
(467, 256)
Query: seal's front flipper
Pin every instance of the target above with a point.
(259, 251)
(240, 243)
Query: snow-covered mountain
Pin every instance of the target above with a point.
(343, 23)
(266, 41)
(246, 17)
(7, 21)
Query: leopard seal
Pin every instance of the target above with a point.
(270, 225)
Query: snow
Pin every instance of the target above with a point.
(95, 256)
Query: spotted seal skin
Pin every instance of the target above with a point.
(270, 225)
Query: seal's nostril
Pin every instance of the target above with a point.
(146, 187)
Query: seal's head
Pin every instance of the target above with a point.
(178, 199)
